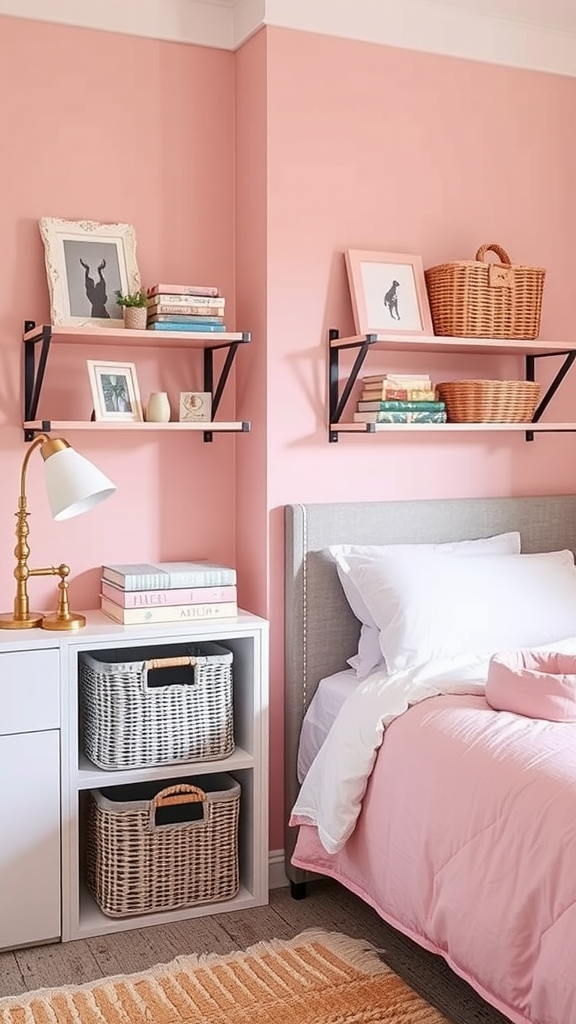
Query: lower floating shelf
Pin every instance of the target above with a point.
(450, 428)
(199, 427)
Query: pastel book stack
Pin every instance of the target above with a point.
(168, 592)
(399, 398)
(185, 307)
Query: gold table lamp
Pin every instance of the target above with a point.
(74, 485)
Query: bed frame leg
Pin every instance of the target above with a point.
(298, 890)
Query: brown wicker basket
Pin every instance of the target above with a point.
(474, 299)
(489, 401)
(146, 851)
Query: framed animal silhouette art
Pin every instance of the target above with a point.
(388, 292)
(86, 264)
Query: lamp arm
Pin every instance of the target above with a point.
(38, 440)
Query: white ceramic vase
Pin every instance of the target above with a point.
(158, 408)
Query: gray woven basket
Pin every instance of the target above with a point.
(136, 865)
(128, 723)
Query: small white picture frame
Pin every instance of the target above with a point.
(115, 391)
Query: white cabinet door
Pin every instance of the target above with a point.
(29, 838)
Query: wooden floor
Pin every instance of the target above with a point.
(327, 906)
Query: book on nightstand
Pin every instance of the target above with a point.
(168, 613)
(169, 575)
(158, 598)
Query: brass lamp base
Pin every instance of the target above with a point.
(69, 621)
(28, 621)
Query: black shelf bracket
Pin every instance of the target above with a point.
(218, 390)
(555, 383)
(336, 401)
(34, 370)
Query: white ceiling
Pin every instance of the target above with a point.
(555, 14)
(539, 34)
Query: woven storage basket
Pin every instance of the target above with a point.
(489, 401)
(144, 854)
(173, 706)
(474, 299)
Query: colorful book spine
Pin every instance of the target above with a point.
(158, 598)
(170, 325)
(399, 394)
(399, 417)
(169, 613)
(169, 575)
(395, 405)
(184, 289)
(185, 300)
(414, 379)
(181, 310)
(183, 318)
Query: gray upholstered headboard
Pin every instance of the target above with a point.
(320, 630)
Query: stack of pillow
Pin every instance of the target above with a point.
(417, 602)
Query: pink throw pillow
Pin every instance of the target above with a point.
(535, 684)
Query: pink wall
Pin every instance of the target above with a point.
(102, 126)
(337, 144)
(375, 148)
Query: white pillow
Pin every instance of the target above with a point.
(428, 606)
(369, 656)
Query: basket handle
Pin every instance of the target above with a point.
(183, 793)
(494, 247)
(168, 662)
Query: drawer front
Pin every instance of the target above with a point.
(29, 692)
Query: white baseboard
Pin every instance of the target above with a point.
(277, 876)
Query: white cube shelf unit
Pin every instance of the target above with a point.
(66, 784)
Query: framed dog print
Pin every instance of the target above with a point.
(388, 291)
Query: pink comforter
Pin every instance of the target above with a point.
(467, 843)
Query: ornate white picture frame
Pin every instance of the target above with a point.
(86, 263)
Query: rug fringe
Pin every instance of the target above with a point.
(357, 953)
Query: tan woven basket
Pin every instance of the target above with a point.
(474, 299)
(143, 853)
(489, 401)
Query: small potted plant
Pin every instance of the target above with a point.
(134, 306)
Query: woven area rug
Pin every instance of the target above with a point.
(316, 978)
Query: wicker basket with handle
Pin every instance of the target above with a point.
(146, 850)
(175, 706)
(481, 299)
(489, 401)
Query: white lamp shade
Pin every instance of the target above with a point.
(74, 484)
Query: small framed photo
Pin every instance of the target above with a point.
(86, 264)
(388, 291)
(115, 391)
(195, 406)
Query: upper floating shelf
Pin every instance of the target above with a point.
(120, 336)
(437, 343)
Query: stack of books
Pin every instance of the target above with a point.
(168, 592)
(185, 307)
(399, 398)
